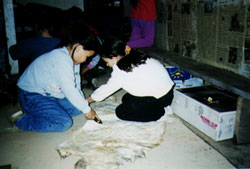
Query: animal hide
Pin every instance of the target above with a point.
(113, 143)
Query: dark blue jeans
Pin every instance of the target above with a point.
(45, 113)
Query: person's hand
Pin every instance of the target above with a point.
(92, 115)
(84, 70)
(89, 99)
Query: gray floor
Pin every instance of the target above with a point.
(183, 147)
(237, 154)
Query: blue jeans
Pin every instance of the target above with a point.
(45, 113)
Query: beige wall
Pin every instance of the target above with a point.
(213, 32)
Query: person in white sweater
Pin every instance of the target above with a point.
(147, 82)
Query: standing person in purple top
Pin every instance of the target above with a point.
(143, 16)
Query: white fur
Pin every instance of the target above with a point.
(113, 143)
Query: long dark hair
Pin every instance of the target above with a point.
(113, 48)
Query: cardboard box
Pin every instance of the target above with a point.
(208, 108)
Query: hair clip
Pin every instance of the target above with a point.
(127, 50)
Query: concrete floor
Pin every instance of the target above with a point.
(183, 147)
(180, 149)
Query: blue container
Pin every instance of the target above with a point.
(177, 74)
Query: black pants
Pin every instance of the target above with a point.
(143, 109)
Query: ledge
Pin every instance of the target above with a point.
(220, 77)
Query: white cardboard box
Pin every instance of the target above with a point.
(215, 124)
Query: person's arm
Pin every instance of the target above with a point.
(73, 93)
(114, 83)
(20, 50)
(84, 70)
(89, 99)
(69, 83)
(95, 60)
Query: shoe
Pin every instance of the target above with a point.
(94, 82)
(14, 117)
